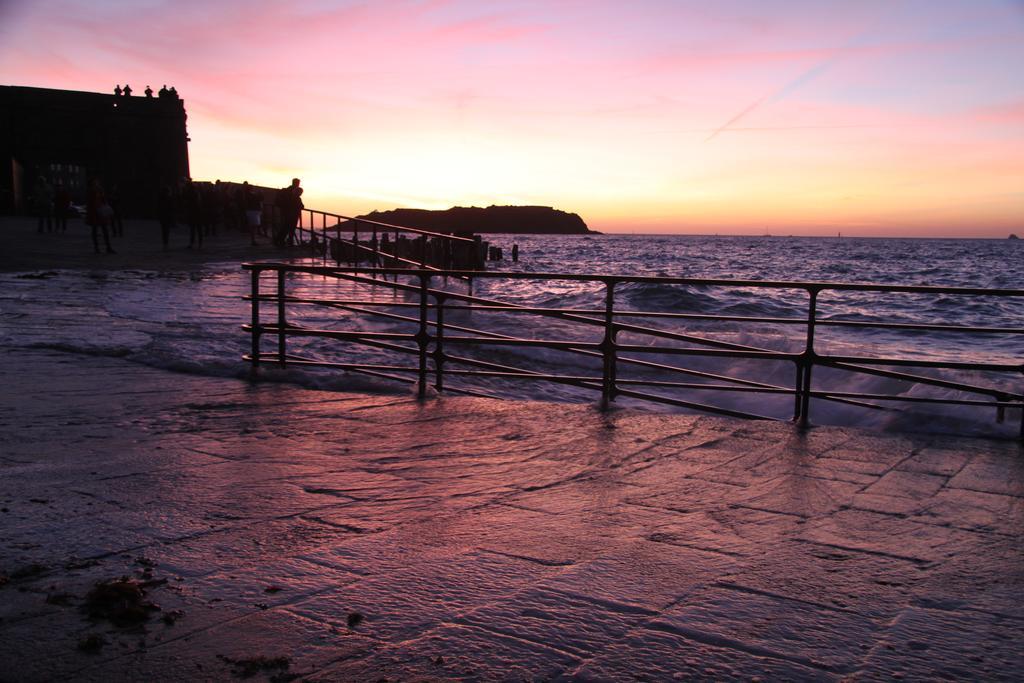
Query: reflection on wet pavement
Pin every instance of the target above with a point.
(280, 532)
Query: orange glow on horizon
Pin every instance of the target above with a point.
(866, 119)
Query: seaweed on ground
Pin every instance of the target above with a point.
(250, 666)
(121, 601)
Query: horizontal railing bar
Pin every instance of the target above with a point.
(412, 320)
(916, 379)
(690, 404)
(294, 331)
(675, 316)
(594, 383)
(707, 282)
(715, 353)
(293, 360)
(696, 373)
(708, 387)
(909, 362)
(576, 380)
(389, 226)
(916, 399)
(934, 327)
(550, 344)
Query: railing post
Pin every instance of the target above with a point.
(312, 232)
(439, 357)
(423, 336)
(797, 389)
(281, 344)
(608, 389)
(355, 244)
(255, 318)
(807, 360)
(376, 250)
(423, 251)
(326, 243)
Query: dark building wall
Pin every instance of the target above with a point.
(133, 143)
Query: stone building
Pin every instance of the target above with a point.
(133, 144)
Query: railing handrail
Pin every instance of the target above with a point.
(431, 332)
(388, 226)
(652, 279)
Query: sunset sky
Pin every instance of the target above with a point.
(796, 117)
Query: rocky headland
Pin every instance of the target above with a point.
(493, 219)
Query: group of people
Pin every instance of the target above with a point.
(206, 207)
(203, 207)
(52, 207)
(101, 216)
(165, 92)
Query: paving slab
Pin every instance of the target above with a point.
(280, 533)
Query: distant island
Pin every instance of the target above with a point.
(1013, 236)
(493, 219)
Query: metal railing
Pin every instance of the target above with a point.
(431, 338)
(323, 231)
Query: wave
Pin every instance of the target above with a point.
(190, 322)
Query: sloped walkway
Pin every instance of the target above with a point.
(286, 532)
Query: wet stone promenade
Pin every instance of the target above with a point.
(160, 526)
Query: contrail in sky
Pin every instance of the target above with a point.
(789, 87)
(805, 77)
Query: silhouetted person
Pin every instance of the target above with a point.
(164, 92)
(253, 210)
(172, 93)
(149, 92)
(127, 90)
(116, 219)
(289, 201)
(61, 207)
(166, 210)
(193, 214)
(42, 203)
(213, 205)
(117, 90)
(97, 215)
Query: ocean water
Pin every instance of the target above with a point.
(191, 322)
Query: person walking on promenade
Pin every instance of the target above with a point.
(97, 215)
(116, 220)
(166, 212)
(42, 203)
(61, 207)
(193, 214)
